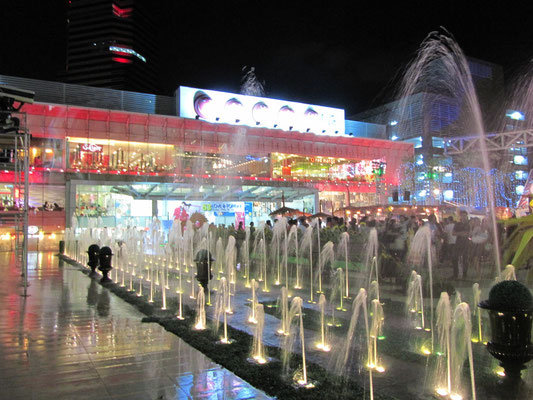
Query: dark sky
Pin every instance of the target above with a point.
(342, 54)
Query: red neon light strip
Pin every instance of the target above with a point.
(122, 60)
(122, 12)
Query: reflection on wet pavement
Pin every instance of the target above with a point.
(72, 339)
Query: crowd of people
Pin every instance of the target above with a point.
(462, 243)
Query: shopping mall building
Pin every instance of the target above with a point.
(126, 156)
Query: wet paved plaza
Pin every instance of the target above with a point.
(72, 339)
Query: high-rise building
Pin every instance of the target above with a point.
(112, 44)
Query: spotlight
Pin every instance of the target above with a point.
(323, 131)
(290, 128)
(275, 125)
(351, 134)
(258, 123)
(308, 129)
(237, 121)
(336, 131)
(217, 119)
(197, 117)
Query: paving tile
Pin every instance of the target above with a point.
(55, 345)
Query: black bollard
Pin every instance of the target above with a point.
(105, 263)
(93, 252)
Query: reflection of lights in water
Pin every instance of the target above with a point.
(499, 372)
(323, 346)
(252, 320)
(474, 340)
(427, 329)
(425, 351)
(456, 396)
(442, 391)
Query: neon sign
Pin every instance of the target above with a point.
(92, 147)
(229, 108)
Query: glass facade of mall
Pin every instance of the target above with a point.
(126, 167)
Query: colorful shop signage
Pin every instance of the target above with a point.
(92, 147)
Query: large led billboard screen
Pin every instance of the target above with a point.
(229, 108)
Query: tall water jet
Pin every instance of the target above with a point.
(337, 291)
(293, 241)
(343, 353)
(258, 349)
(322, 344)
(462, 348)
(377, 318)
(295, 318)
(221, 306)
(279, 233)
(260, 250)
(443, 369)
(316, 223)
(414, 303)
(283, 304)
(371, 257)
(253, 317)
(245, 256)
(343, 248)
(373, 291)
(307, 244)
(327, 257)
(200, 323)
(231, 272)
(219, 262)
(419, 252)
(441, 67)
(477, 337)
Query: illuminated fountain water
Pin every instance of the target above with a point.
(414, 303)
(200, 323)
(283, 305)
(307, 244)
(327, 257)
(221, 307)
(219, 258)
(278, 245)
(371, 266)
(296, 329)
(344, 352)
(294, 244)
(258, 349)
(245, 256)
(337, 292)
(323, 344)
(455, 346)
(441, 67)
(343, 248)
(373, 291)
(377, 319)
(231, 272)
(253, 317)
(508, 274)
(420, 252)
(477, 336)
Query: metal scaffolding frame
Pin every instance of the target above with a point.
(15, 146)
(493, 141)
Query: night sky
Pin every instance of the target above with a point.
(341, 54)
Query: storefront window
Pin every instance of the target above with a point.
(323, 168)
